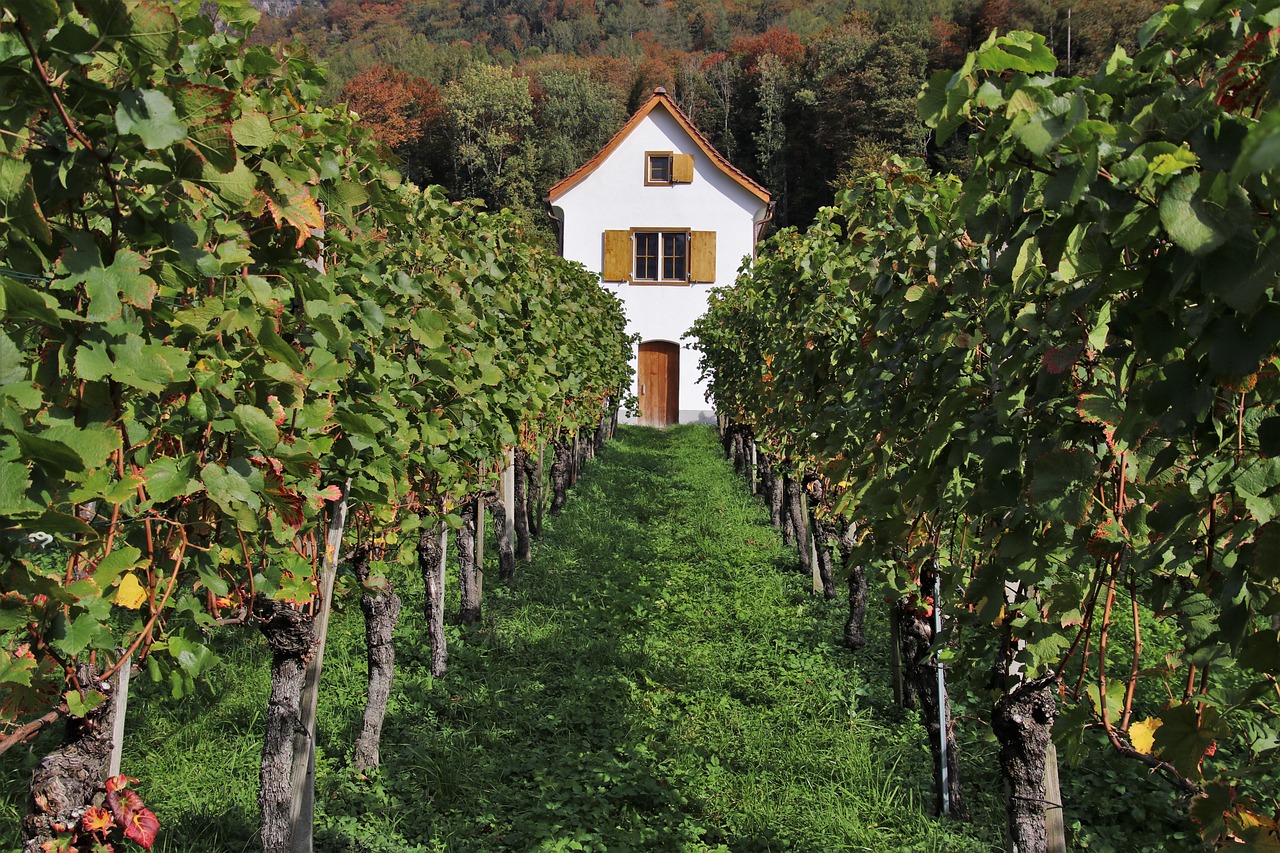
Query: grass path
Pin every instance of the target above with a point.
(658, 678)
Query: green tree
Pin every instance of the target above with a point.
(575, 117)
(490, 114)
(773, 92)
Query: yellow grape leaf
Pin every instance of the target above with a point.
(130, 594)
(1142, 734)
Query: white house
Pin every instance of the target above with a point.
(662, 216)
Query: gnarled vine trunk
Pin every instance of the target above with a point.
(774, 490)
(524, 543)
(824, 532)
(1023, 723)
(536, 494)
(797, 523)
(381, 608)
(64, 782)
(432, 543)
(291, 636)
(560, 476)
(602, 433)
(854, 634)
(502, 532)
(737, 450)
(575, 458)
(470, 577)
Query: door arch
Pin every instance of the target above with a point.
(658, 381)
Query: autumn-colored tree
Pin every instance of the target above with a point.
(397, 108)
(775, 41)
(948, 43)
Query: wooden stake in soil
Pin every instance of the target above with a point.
(302, 813)
(895, 654)
(481, 506)
(121, 700)
(539, 489)
(1054, 819)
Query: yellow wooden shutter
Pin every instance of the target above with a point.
(702, 264)
(682, 168)
(617, 255)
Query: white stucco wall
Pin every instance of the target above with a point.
(614, 197)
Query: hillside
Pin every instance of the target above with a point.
(799, 94)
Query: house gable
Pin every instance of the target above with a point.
(662, 102)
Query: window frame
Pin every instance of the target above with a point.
(660, 259)
(649, 157)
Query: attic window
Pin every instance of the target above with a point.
(657, 169)
(664, 168)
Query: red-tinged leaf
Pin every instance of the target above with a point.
(26, 684)
(271, 466)
(301, 211)
(200, 103)
(119, 783)
(213, 141)
(116, 806)
(142, 828)
(1209, 810)
(1058, 360)
(331, 493)
(155, 29)
(97, 820)
(1259, 832)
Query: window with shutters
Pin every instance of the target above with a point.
(664, 168)
(660, 256)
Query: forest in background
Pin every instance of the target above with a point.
(499, 99)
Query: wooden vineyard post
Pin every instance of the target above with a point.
(509, 488)
(121, 700)
(538, 474)
(895, 654)
(1054, 820)
(755, 472)
(944, 724)
(479, 546)
(302, 810)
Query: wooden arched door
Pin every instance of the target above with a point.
(658, 381)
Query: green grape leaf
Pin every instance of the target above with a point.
(258, 425)
(1062, 484)
(150, 115)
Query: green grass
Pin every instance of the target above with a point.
(659, 678)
